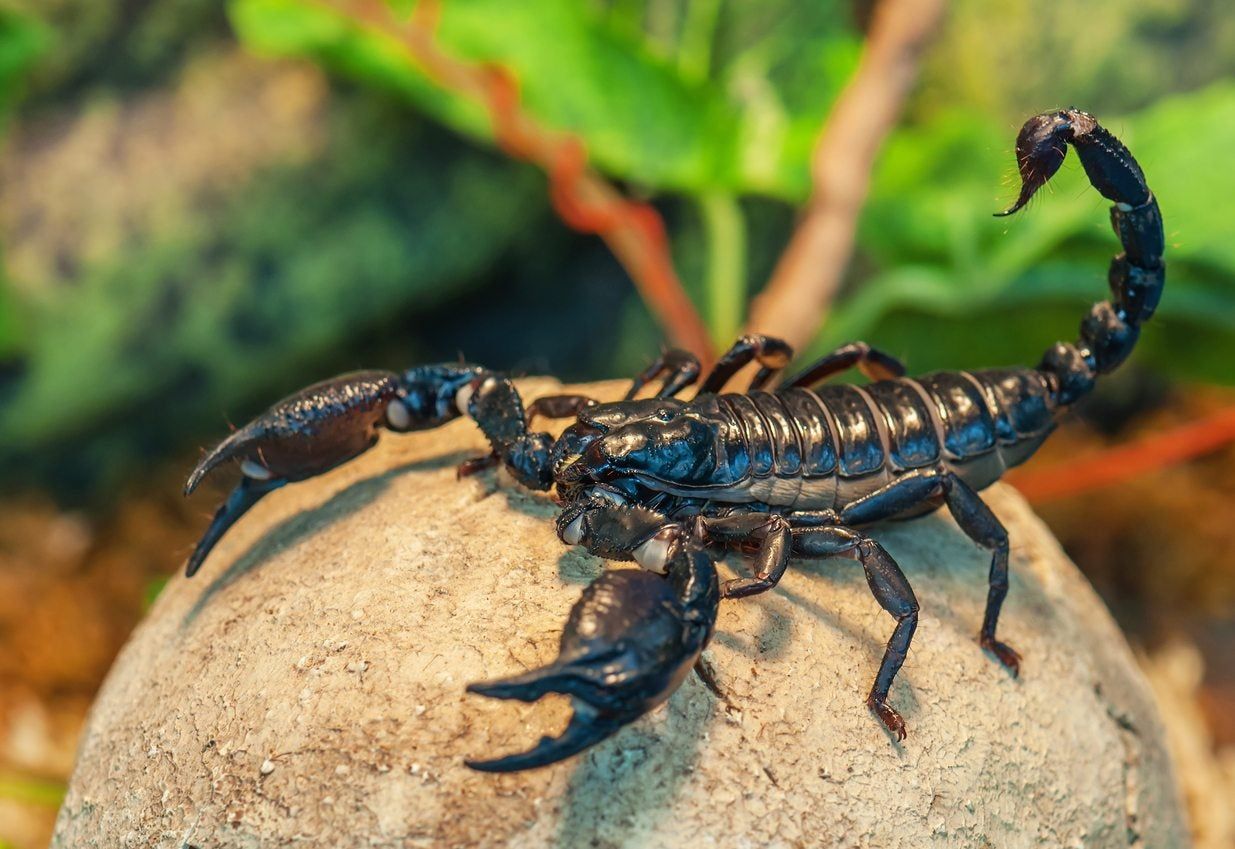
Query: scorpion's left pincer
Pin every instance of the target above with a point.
(629, 643)
(320, 427)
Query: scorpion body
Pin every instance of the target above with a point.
(798, 469)
(828, 447)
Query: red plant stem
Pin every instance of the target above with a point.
(1126, 462)
(583, 200)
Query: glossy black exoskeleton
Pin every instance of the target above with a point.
(797, 470)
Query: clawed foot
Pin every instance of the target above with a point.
(630, 641)
(475, 465)
(887, 715)
(1004, 653)
(742, 587)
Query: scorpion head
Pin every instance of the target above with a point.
(663, 445)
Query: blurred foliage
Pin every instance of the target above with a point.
(106, 46)
(658, 106)
(998, 60)
(36, 791)
(22, 40)
(295, 264)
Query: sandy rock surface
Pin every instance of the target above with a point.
(307, 689)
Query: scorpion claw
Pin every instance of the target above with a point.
(888, 716)
(1004, 653)
(584, 729)
(301, 436)
(247, 493)
(631, 639)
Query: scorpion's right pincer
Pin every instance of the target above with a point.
(630, 641)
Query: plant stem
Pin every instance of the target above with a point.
(726, 269)
(695, 45)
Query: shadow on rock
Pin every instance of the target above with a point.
(308, 523)
(635, 773)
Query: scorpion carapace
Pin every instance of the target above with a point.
(792, 471)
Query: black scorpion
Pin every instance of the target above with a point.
(798, 470)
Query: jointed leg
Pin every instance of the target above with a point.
(974, 518)
(678, 368)
(772, 355)
(872, 362)
(891, 589)
(779, 539)
(983, 527)
(558, 406)
(775, 544)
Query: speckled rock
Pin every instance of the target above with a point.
(307, 688)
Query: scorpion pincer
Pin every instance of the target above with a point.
(795, 468)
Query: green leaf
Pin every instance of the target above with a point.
(22, 41)
(738, 120)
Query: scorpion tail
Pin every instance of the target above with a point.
(631, 639)
(1110, 330)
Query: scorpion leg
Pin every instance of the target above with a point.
(558, 406)
(678, 368)
(973, 516)
(771, 353)
(816, 535)
(891, 589)
(493, 402)
(872, 362)
(506, 424)
(775, 540)
(630, 641)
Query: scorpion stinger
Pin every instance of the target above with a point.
(630, 641)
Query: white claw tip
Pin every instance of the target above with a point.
(255, 470)
(464, 397)
(653, 554)
(397, 415)
(573, 533)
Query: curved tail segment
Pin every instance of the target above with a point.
(1110, 330)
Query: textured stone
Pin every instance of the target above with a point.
(307, 687)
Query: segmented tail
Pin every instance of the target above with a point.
(1110, 330)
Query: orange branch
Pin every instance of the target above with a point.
(583, 199)
(1126, 462)
(808, 275)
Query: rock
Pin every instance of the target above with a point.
(307, 686)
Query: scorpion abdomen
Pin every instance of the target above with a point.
(825, 448)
